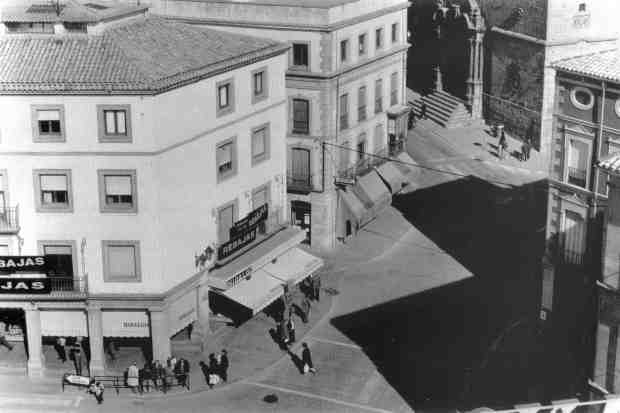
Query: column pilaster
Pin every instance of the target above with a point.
(95, 338)
(203, 314)
(33, 333)
(159, 335)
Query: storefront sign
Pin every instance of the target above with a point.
(14, 333)
(250, 221)
(125, 324)
(227, 249)
(236, 279)
(25, 263)
(24, 285)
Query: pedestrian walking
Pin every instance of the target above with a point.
(190, 328)
(528, 149)
(502, 145)
(306, 358)
(291, 330)
(158, 375)
(76, 355)
(147, 377)
(3, 340)
(305, 309)
(523, 154)
(132, 377)
(214, 369)
(111, 350)
(423, 110)
(283, 331)
(97, 390)
(316, 287)
(61, 348)
(168, 376)
(224, 365)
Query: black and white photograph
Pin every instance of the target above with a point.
(310, 206)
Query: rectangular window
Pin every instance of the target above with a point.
(344, 111)
(345, 159)
(361, 147)
(379, 138)
(344, 50)
(300, 55)
(578, 163)
(361, 104)
(361, 40)
(259, 84)
(301, 116)
(299, 174)
(260, 196)
(117, 190)
(53, 190)
(114, 123)
(260, 144)
(379, 38)
(48, 123)
(226, 159)
(394, 88)
(379, 96)
(394, 32)
(225, 97)
(59, 258)
(121, 261)
(225, 219)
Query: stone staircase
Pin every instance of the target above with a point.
(444, 109)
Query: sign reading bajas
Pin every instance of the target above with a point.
(23, 263)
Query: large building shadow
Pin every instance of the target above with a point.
(478, 341)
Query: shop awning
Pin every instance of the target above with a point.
(353, 204)
(125, 324)
(392, 176)
(63, 323)
(262, 286)
(374, 189)
(182, 311)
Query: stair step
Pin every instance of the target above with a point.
(450, 96)
(432, 105)
(447, 101)
(439, 103)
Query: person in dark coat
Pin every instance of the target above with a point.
(502, 145)
(147, 377)
(305, 309)
(291, 330)
(205, 371)
(214, 370)
(306, 358)
(76, 355)
(528, 148)
(224, 365)
(316, 287)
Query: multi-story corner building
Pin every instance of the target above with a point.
(586, 129)
(131, 150)
(345, 87)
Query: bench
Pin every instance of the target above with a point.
(119, 382)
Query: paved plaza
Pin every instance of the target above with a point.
(400, 326)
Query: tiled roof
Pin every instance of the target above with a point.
(610, 163)
(603, 65)
(146, 55)
(67, 11)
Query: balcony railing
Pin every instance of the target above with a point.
(9, 220)
(364, 165)
(299, 183)
(68, 286)
(577, 177)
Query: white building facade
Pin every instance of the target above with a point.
(132, 179)
(345, 90)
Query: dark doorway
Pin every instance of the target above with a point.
(349, 229)
(301, 216)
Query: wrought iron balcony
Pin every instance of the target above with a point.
(62, 286)
(364, 165)
(9, 220)
(577, 177)
(300, 183)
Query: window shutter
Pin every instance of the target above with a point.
(121, 261)
(225, 222)
(48, 114)
(117, 185)
(224, 154)
(574, 232)
(258, 142)
(53, 182)
(120, 122)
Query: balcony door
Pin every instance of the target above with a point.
(573, 237)
(60, 264)
(300, 166)
(578, 153)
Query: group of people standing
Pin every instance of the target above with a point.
(73, 349)
(502, 147)
(217, 369)
(155, 376)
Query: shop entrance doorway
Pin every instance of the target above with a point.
(301, 215)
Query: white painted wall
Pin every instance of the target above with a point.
(176, 187)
